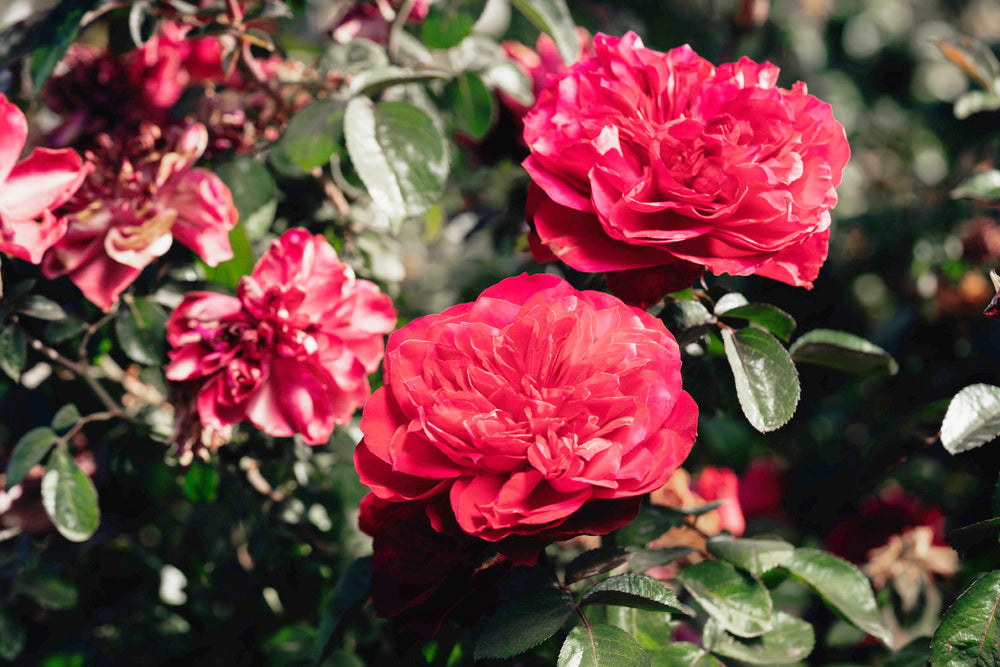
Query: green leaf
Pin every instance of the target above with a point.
(756, 556)
(400, 154)
(683, 654)
(654, 520)
(377, 79)
(730, 301)
(254, 193)
(53, 35)
(141, 331)
(738, 601)
(352, 589)
(843, 351)
(843, 587)
(228, 273)
(646, 559)
(594, 562)
(687, 320)
(914, 654)
(474, 106)
(12, 636)
(972, 102)
(636, 591)
(42, 308)
(523, 622)
(973, 418)
(49, 591)
(201, 482)
(767, 383)
(553, 17)
(13, 350)
(772, 318)
(983, 186)
(601, 646)
(313, 134)
(791, 640)
(981, 533)
(969, 634)
(65, 417)
(444, 28)
(69, 497)
(29, 452)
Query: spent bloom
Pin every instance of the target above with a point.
(292, 353)
(652, 167)
(32, 188)
(144, 193)
(537, 411)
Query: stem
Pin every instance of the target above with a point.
(392, 44)
(83, 421)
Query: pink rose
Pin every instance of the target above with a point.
(659, 163)
(144, 194)
(32, 188)
(539, 63)
(722, 484)
(538, 410)
(293, 352)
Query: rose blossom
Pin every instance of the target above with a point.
(32, 188)
(540, 62)
(722, 484)
(144, 194)
(293, 352)
(538, 410)
(652, 167)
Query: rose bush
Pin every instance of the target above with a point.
(292, 353)
(538, 410)
(652, 167)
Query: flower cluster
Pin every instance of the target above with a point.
(652, 167)
(292, 353)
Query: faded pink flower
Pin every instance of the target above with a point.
(292, 353)
(129, 211)
(32, 188)
(652, 167)
(722, 484)
(538, 411)
(371, 19)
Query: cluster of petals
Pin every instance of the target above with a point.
(370, 19)
(292, 353)
(537, 411)
(652, 167)
(31, 189)
(540, 62)
(144, 193)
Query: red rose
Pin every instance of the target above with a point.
(538, 410)
(660, 163)
(292, 354)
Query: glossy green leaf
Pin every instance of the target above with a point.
(683, 654)
(969, 634)
(377, 79)
(40, 307)
(313, 134)
(351, 591)
(254, 194)
(636, 591)
(767, 383)
(756, 556)
(13, 350)
(29, 451)
(524, 622)
(914, 654)
(12, 636)
(601, 646)
(444, 28)
(843, 587)
(594, 562)
(772, 318)
(791, 640)
(201, 482)
(141, 329)
(49, 591)
(400, 154)
(843, 351)
(738, 601)
(69, 497)
(553, 17)
(984, 186)
(65, 417)
(228, 273)
(730, 301)
(53, 35)
(973, 418)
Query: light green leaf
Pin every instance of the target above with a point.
(601, 646)
(444, 28)
(843, 587)
(772, 318)
(767, 383)
(683, 654)
(12, 636)
(756, 556)
(843, 351)
(972, 102)
(984, 186)
(42, 308)
(65, 417)
(399, 153)
(969, 634)
(553, 17)
(69, 497)
(377, 79)
(228, 273)
(973, 418)
(791, 640)
(29, 451)
(730, 301)
(313, 134)
(13, 350)
(636, 591)
(738, 601)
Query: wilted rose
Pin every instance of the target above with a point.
(293, 352)
(538, 410)
(652, 167)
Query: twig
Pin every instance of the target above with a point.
(392, 44)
